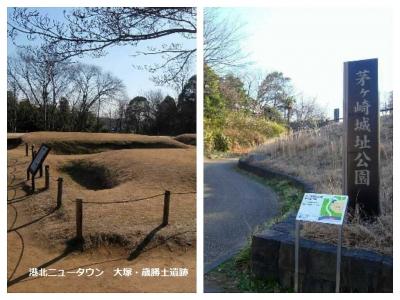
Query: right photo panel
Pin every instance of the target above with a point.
(298, 149)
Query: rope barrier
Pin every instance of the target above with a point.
(133, 200)
(183, 193)
(53, 179)
(125, 201)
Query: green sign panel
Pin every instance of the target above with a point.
(323, 208)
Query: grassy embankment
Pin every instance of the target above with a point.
(240, 133)
(86, 143)
(316, 157)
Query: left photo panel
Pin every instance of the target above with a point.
(101, 149)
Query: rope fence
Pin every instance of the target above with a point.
(124, 201)
(79, 202)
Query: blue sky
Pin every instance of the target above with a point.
(120, 61)
(310, 45)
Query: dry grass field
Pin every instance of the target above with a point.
(85, 143)
(123, 234)
(316, 156)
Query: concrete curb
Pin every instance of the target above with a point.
(265, 172)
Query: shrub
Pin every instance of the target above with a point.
(239, 132)
(221, 142)
(246, 131)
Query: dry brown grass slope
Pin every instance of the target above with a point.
(316, 156)
(85, 143)
(134, 173)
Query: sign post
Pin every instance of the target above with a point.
(361, 136)
(321, 208)
(37, 162)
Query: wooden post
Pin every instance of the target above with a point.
(32, 149)
(26, 149)
(59, 192)
(41, 170)
(167, 196)
(79, 215)
(34, 154)
(47, 177)
(33, 183)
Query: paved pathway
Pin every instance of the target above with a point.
(234, 204)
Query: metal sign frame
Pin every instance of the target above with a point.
(338, 254)
(296, 255)
(38, 159)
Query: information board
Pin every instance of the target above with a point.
(39, 159)
(322, 208)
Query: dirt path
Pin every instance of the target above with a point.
(234, 205)
(25, 251)
(105, 260)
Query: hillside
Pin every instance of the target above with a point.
(316, 157)
(240, 133)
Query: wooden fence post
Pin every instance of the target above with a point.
(32, 149)
(59, 192)
(47, 177)
(33, 183)
(167, 196)
(26, 149)
(79, 215)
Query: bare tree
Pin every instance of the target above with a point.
(92, 30)
(91, 87)
(12, 104)
(120, 114)
(222, 39)
(154, 97)
(176, 80)
(252, 79)
(387, 103)
(41, 79)
(306, 109)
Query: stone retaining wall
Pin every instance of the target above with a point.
(272, 254)
(271, 173)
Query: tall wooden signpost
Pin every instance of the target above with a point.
(361, 136)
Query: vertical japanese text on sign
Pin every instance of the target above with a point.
(361, 142)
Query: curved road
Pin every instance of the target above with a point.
(234, 204)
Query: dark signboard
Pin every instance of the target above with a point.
(336, 114)
(361, 136)
(39, 159)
